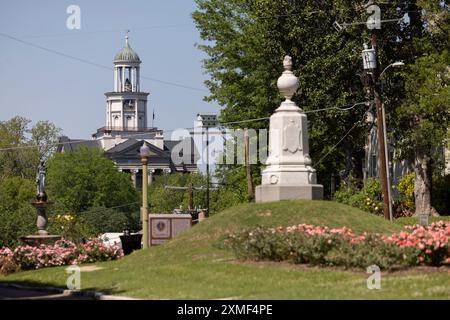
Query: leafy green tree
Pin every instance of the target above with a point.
(15, 191)
(85, 178)
(231, 188)
(425, 119)
(45, 135)
(102, 220)
(245, 42)
(24, 146)
(17, 216)
(19, 158)
(164, 200)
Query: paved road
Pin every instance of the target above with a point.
(19, 294)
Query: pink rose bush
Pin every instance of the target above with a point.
(432, 242)
(317, 245)
(63, 252)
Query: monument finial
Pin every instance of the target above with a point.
(287, 63)
(288, 82)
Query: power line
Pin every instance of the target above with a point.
(309, 111)
(342, 139)
(94, 63)
(74, 33)
(108, 208)
(136, 135)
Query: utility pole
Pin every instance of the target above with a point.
(191, 197)
(380, 130)
(248, 167)
(207, 171)
(207, 120)
(190, 190)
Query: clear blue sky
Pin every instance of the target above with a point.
(40, 85)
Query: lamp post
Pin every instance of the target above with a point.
(145, 154)
(397, 64)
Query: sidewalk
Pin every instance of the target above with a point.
(13, 291)
(26, 294)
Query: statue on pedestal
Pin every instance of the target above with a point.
(41, 196)
(41, 204)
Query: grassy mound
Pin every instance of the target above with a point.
(191, 267)
(286, 213)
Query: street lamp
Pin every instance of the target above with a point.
(397, 64)
(145, 154)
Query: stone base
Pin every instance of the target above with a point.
(269, 193)
(37, 240)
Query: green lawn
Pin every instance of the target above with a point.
(415, 220)
(190, 267)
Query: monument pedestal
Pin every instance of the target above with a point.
(37, 240)
(289, 174)
(42, 237)
(269, 193)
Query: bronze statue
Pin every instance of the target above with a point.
(41, 196)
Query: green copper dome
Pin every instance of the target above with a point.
(126, 54)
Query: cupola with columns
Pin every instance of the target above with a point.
(126, 105)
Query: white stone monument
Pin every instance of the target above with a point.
(288, 173)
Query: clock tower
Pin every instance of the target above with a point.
(126, 106)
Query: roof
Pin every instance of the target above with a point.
(187, 148)
(127, 152)
(75, 144)
(126, 54)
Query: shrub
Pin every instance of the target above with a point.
(17, 216)
(441, 194)
(7, 263)
(405, 189)
(102, 220)
(70, 227)
(95, 250)
(63, 252)
(341, 247)
(366, 198)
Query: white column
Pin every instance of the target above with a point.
(133, 79)
(133, 176)
(136, 118)
(115, 79)
(145, 114)
(123, 79)
(138, 82)
(150, 176)
(121, 116)
(119, 79)
(107, 113)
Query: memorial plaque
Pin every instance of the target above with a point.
(163, 227)
(423, 219)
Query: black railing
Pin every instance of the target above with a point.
(109, 129)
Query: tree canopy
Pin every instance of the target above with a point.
(245, 42)
(85, 178)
